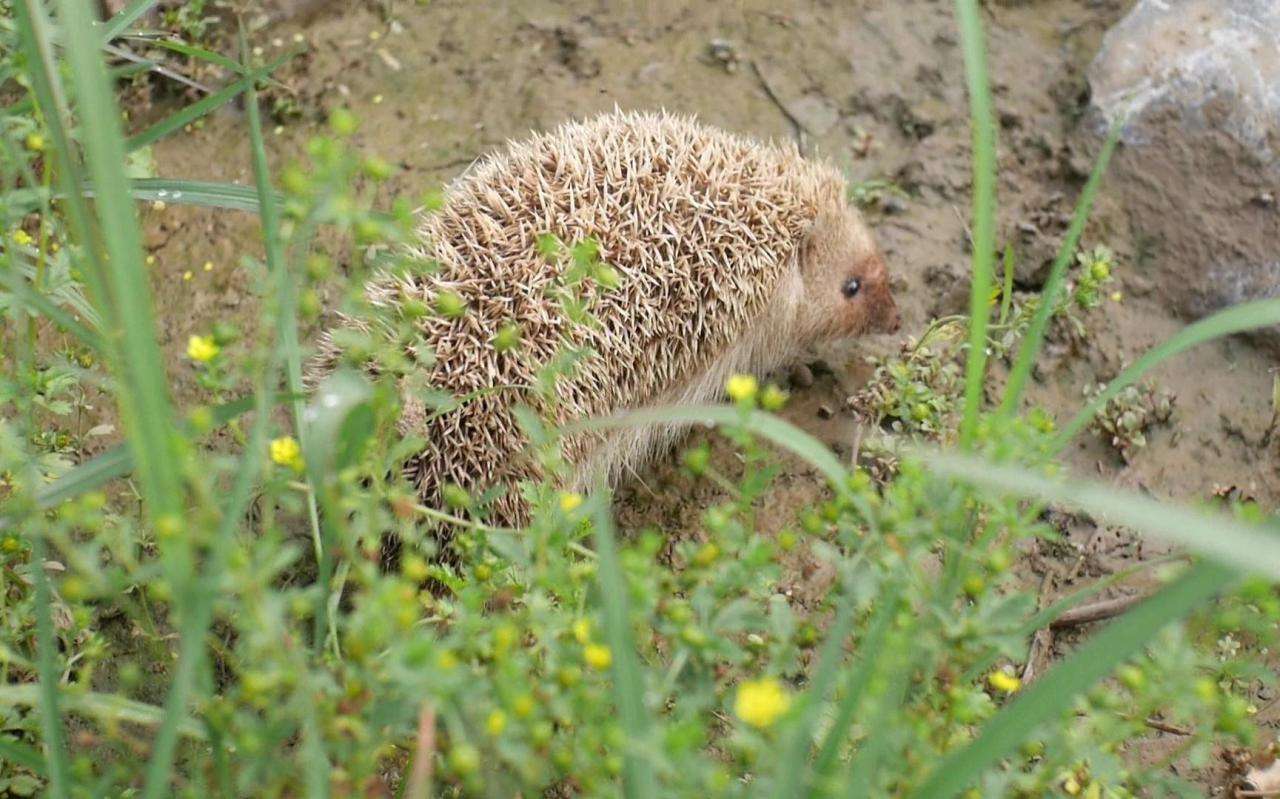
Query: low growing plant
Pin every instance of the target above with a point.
(245, 597)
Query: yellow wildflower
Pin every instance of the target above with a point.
(35, 142)
(496, 723)
(582, 631)
(286, 452)
(598, 656)
(741, 388)
(1004, 682)
(202, 348)
(208, 266)
(22, 238)
(761, 702)
(569, 502)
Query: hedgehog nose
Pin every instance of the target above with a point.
(890, 318)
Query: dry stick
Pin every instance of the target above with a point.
(1096, 611)
(419, 786)
(768, 90)
(1157, 724)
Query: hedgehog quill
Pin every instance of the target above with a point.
(731, 256)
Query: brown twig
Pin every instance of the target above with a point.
(419, 786)
(1096, 611)
(1157, 724)
(773, 95)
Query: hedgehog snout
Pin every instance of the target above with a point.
(888, 317)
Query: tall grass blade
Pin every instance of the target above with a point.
(858, 680)
(793, 760)
(198, 53)
(205, 105)
(1029, 350)
(50, 716)
(23, 755)
(628, 686)
(778, 431)
(1236, 319)
(1247, 548)
(205, 193)
(35, 34)
(143, 387)
(123, 18)
(40, 305)
(984, 210)
(1006, 289)
(287, 318)
(1053, 693)
(106, 707)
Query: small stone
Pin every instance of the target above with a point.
(825, 412)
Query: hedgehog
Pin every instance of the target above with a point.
(733, 256)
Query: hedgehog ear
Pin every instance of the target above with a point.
(815, 239)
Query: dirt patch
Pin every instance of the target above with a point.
(875, 86)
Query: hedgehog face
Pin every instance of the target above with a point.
(847, 290)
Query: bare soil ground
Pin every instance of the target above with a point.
(875, 85)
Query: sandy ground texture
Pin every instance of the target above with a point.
(876, 86)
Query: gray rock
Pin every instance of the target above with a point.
(1198, 82)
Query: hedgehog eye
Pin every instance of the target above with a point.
(850, 288)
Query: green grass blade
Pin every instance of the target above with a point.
(1053, 694)
(1029, 350)
(143, 387)
(793, 760)
(35, 34)
(116, 462)
(121, 21)
(209, 194)
(1247, 548)
(40, 305)
(1236, 319)
(286, 323)
(198, 53)
(856, 684)
(205, 105)
(1006, 290)
(50, 715)
(107, 707)
(779, 432)
(984, 209)
(21, 754)
(628, 685)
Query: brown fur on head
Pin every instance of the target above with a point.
(846, 286)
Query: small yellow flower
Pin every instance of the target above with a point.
(377, 99)
(569, 502)
(22, 238)
(524, 706)
(35, 142)
(582, 631)
(286, 452)
(496, 723)
(1117, 296)
(1004, 682)
(151, 260)
(208, 266)
(597, 656)
(158, 205)
(762, 702)
(202, 348)
(741, 388)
